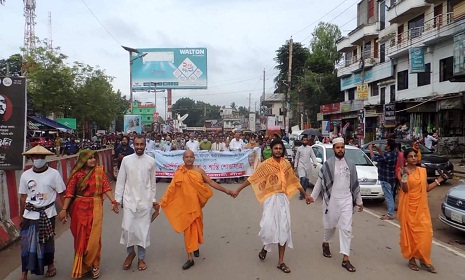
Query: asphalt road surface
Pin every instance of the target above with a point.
(231, 246)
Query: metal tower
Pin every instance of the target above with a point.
(29, 25)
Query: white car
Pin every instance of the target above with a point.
(370, 187)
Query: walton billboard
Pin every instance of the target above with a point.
(170, 68)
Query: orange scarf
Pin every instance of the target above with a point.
(272, 177)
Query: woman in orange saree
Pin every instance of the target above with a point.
(84, 200)
(416, 230)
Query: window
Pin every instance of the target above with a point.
(416, 27)
(382, 53)
(425, 77)
(367, 50)
(382, 98)
(371, 8)
(446, 69)
(382, 15)
(393, 93)
(374, 89)
(351, 93)
(402, 80)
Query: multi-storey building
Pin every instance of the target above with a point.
(405, 60)
(146, 111)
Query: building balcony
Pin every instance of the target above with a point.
(437, 29)
(434, 1)
(387, 33)
(356, 63)
(404, 10)
(344, 45)
(364, 33)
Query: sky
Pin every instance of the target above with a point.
(241, 37)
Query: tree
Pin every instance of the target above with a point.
(323, 52)
(198, 111)
(299, 57)
(233, 105)
(13, 63)
(243, 111)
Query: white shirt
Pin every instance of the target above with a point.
(41, 189)
(192, 145)
(218, 146)
(149, 146)
(429, 141)
(304, 158)
(236, 145)
(136, 186)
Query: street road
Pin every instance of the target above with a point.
(232, 245)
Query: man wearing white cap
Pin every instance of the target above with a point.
(38, 189)
(338, 182)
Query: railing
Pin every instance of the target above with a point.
(368, 56)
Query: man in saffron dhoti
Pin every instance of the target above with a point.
(274, 183)
(183, 201)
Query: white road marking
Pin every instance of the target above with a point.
(435, 242)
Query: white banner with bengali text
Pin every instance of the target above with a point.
(227, 164)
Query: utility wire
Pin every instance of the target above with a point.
(101, 24)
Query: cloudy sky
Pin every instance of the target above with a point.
(241, 36)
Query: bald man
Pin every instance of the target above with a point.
(183, 201)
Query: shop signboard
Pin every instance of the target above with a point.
(12, 122)
(325, 128)
(362, 91)
(389, 115)
(346, 106)
(69, 122)
(319, 116)
(325, 109)
(417, 59)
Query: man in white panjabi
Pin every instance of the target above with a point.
(135, 190)
(304, 158)
(338, 182)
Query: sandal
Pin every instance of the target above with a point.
(326, 251)
(141, 265)
(262, 254)
(347, 265)
(95, 273)
(283, 267)
(413, 265)
(128, 261)
(51, 272)
(386, 218)
(428, 267)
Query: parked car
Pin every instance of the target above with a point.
(370, 187)
(43, 141)
(289, 155)
(453, 208)
(429, 160)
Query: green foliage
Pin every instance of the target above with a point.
(243, 111)
(198, 111)
(14, 65)
(299, 57)
(323, 52)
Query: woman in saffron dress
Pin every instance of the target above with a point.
(416, 230)
(84, 200)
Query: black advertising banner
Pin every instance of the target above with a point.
(12, 122)
(389, 115)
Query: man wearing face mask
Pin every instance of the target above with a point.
(38, 189)
(192, 144)
(304, 159)
(206, 144)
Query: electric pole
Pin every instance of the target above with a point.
(288, 92)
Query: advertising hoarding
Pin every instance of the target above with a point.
(169, 68)
(132, 123)
(69, 122)
(12, 122)
(417, 60)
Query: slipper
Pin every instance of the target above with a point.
(95, 273)
(283, 267)
(326, 251)
(197, 253)
(347, 265)
(141, 265)
(413, 266)
(128, 261)
(262, 254)
(428, 267)
(386, 217)
(51, 272)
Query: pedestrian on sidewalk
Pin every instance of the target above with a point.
(386, 164)
(338, 180)
(183, 201)
(38, 189)
(135, 191)
(304, 159)
(274, 184)
(84, 202)
(416, 229)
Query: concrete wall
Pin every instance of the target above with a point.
(9, 197)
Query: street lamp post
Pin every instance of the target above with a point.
(131, 60)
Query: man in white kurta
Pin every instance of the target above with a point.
(304, 159)
(135, 190)
(338, 200)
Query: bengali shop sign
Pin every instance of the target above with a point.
(216, 164)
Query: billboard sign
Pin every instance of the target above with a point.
(169, 68)
(417, 59)
(132, 123)
(12, 129)
(69, 122)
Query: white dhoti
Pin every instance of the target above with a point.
(275, 225)
(136, 228)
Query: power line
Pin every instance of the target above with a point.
(101, 24)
